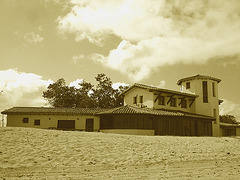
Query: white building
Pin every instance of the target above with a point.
(192, 111)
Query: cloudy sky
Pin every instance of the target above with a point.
(152, 42)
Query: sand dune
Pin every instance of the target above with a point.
(27, 153)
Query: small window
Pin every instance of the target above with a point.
(135, 100)
(37, 122)
(213, 89)
(214, 113)
(140, 99)
(161, 100)
(188, 85)
(173, 102)
(25, 120)
(205, 91)
(184, 103)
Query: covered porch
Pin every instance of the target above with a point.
(145, 121)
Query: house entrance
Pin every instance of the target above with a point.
(66, 124)
(89, 125)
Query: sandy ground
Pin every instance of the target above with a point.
(27, 153)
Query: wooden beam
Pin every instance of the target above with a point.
(157, 97)
(181, 100)
(170, 98)
(191, 102)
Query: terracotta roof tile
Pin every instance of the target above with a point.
(49, 110)
(161, 112)
(98, 111)
(152, 88)
(197, 77)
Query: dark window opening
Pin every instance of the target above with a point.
(173, 102)
(188, 85)
(140, 99)
(213, 89)
(161, 100)
(184, 103)
(135, 100)
(37, 122)
(205, 91)
(214, 113)
(66, 124)
(25, 120)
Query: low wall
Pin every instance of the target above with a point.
(237, 131)
(129, 131)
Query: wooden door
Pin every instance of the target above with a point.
(89, 125)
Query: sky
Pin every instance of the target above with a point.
(153, 42)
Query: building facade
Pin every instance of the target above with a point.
(147, 110)
(81, 119)
(198, 95)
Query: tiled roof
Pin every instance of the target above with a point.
(228, 125)
(161, 112)
(49, 110)
(152, 88)
(197, 77)
(97, 111)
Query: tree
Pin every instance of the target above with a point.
(104, 94)
(83, 95)
(228, 119)
(119, 100)
(58, 94)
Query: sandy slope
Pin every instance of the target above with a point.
(27, 153)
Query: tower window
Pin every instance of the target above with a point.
(140, 99)
(213, 89)
(205, 91)
(188, 85)
(214, 113)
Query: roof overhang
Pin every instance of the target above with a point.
(149, 111)
(228, 125)
(198, 77)
(157, 90)
(51, 111)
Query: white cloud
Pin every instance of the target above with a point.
(156, 33)
(230, 108)
(97, 58)
(40, 28)
(21, 89)
(32, 38)
(76, 83)
(78, 58)
(162, 84)
(117, 84)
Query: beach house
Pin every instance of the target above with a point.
(147, 110)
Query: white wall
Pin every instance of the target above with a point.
(47, 121)
(167, 106)
(237, 131)
(147, 97)
(205, 108)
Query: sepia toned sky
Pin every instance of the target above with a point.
(153, 42)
